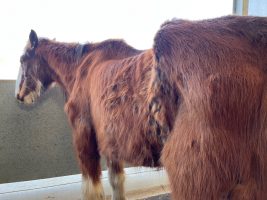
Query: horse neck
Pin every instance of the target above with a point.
(63, 60)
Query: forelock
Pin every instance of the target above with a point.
(27, 53)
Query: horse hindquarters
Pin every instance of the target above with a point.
(217, 148)
(195, 174)
(189, 175)
(84, 139)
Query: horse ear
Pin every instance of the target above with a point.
(33, 39)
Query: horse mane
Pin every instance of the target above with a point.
(71, 52)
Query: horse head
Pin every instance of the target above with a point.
(34, 76)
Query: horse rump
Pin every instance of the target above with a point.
(208, 89)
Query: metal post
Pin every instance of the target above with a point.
(245, 7)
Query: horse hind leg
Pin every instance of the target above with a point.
(89, 162)
(86, 146)
(92, 190)
(116, 179)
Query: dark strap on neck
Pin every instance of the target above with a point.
(82, 49)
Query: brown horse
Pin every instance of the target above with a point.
(217, 147)
(199, 95)
(106, 85)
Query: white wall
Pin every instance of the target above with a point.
(136, 21)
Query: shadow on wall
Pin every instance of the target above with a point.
(35, 142)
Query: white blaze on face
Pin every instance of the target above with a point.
(18, 82)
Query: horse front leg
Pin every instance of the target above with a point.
(116, 179)
(89, 162)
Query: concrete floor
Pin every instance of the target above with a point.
(160, 197)
(141, 183)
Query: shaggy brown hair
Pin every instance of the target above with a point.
(106, 86)
(195, 103)
(217, 145)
